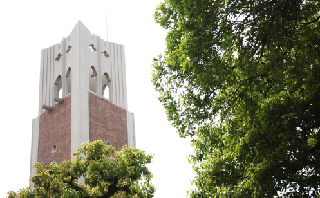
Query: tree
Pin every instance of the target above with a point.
(242, 78)
(106, 174)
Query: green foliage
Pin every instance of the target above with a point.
(23, 193)
(106, 173)
(242, 78)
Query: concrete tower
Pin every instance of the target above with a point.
(82, 97)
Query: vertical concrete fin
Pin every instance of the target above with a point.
(113, 74)
(108, 69)
(63, 68)
(45, 78)
(124, 77)
(120, 76)
(34, 145)
(131, 130)
(97, 61)
(80, 61)
(41, 83)
(51, 81)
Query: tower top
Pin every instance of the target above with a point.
(82, 97)
(83, 60)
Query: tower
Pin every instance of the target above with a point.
(82, 97)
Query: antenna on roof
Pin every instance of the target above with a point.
(107, 26)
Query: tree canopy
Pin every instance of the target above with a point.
(242, 78)
(106, 173)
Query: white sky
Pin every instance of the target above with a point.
(29, 26)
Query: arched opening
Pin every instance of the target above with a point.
(60, 93)
(58, 87)
(105, 92)
(54, 148)
(93, 79)
(92, 48)
(68, 75)
(105, 85)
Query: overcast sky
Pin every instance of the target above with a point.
(29, 26)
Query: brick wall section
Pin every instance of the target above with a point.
(107, 122)
(55, 129)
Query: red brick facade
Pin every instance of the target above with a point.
(55, 129)
(107, 122)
